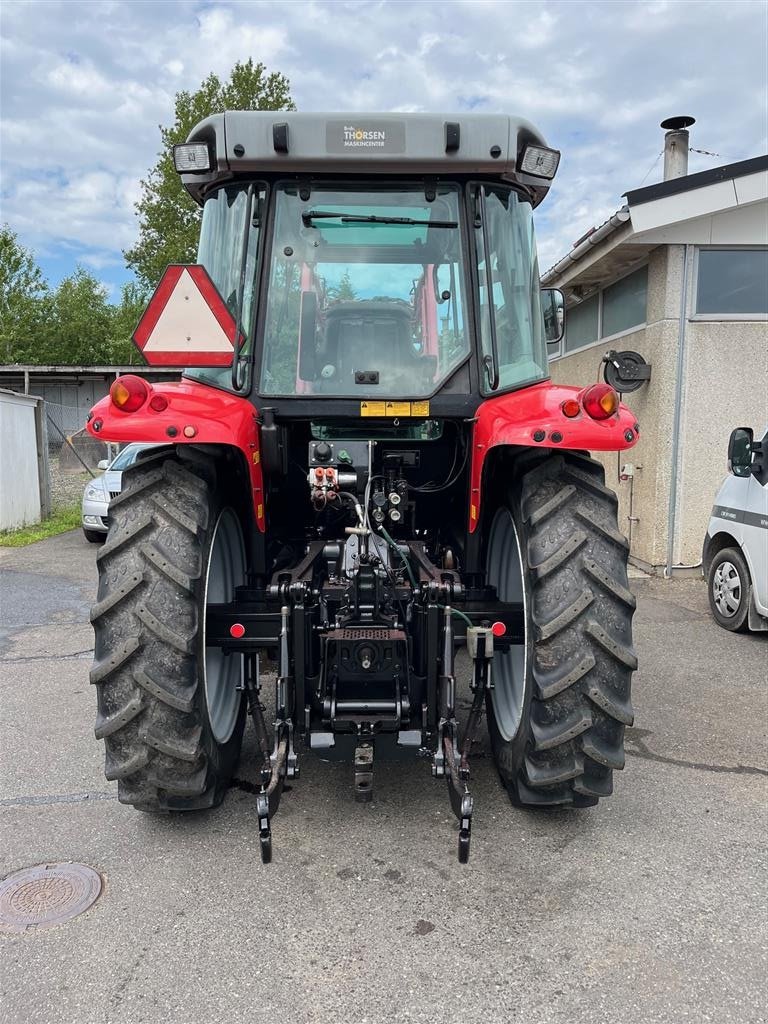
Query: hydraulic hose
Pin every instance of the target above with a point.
(404, 560)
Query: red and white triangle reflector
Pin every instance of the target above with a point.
(187, 323)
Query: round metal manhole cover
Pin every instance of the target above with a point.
(48, 894)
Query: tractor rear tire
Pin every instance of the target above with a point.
(561, 703)
(169, 744)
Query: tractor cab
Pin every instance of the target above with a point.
(394, 283)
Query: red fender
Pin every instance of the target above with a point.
(217, 417)
(533, 418)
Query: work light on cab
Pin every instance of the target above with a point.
(129, 393)
(539, 161)
(188, 158)
(600, 401)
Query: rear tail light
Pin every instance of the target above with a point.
(129, 393)
(570, 408)
(600, 401)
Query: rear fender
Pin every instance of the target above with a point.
(196, 414)
(533, 418)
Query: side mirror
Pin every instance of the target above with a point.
(103, 464)
(553, 311)
(740, 451)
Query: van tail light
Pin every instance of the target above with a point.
(600, 401)
(129, 393)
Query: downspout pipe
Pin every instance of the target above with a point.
(678, 412)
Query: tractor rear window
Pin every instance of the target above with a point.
(366, 294)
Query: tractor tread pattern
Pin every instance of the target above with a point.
(582, 657)
(147, 640)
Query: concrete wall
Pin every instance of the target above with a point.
(725, 384)
(19, 476)
(653, 405)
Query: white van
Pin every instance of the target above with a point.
(735, 557)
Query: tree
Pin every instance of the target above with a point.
(168, 218)
(23, 300)
(81, 322)
(125, 317)
(344, 291)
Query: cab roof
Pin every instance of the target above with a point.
(248, 142)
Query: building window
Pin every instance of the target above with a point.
(581, 324)
(624, 303)
(613, 310)
(732, 282)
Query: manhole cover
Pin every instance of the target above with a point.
(45, 895)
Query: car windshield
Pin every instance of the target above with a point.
(366, 293)
(127, 457)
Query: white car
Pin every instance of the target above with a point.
(100, 491)
(735, 557)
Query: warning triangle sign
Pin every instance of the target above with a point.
(187, 323)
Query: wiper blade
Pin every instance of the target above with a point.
(354, 218)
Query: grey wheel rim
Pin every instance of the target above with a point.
(223, 673)
(727, 589)
(505, 573)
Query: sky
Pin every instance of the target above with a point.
(84, 87)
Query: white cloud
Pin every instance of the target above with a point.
(85, 86)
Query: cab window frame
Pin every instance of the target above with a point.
(406, 183)
(477, 256)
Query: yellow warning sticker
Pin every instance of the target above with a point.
(398, 409)
(394, 409)
(373, 409)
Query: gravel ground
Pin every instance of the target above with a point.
(649, 908)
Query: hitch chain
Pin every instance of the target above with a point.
(451, 759)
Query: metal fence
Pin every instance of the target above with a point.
(73, 455)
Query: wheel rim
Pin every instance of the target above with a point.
(726, 589)
(223, 673)
(504, 572)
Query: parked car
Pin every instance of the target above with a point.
(735, 557)
(100, 491)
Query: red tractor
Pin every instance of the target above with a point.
(364, 469)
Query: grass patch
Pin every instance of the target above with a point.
(60, 521)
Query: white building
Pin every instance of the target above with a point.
(679, 274)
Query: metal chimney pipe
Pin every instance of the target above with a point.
(676, 146)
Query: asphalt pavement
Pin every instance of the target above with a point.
(649, 908)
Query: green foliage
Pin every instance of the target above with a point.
(344, 291)
(73, 324)
(60, 521)
(125, 317)
(81, 318)
(169, 221)
(23, 298)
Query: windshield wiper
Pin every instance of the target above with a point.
(354, 218)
